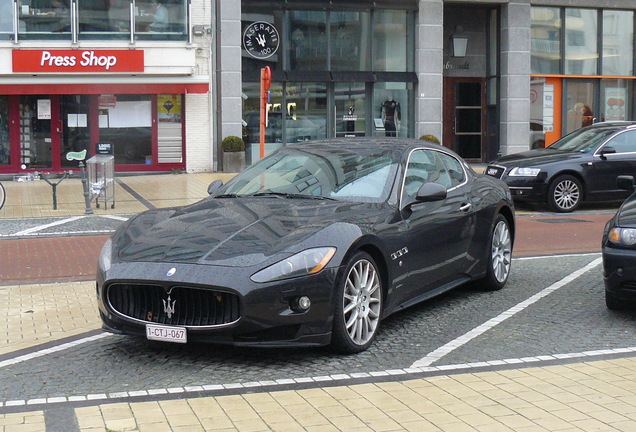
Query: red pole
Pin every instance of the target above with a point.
(266, 80)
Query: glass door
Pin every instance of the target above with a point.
(75, 135)
(37, 115)
(580, 103)
(465, 110)
(350, 109)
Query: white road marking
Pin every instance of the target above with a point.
(46, 351)
(479, 330)
(120, 218)
(49, 225)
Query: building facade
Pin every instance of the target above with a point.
(166, 81)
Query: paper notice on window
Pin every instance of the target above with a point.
(82, 120)
(44, 109)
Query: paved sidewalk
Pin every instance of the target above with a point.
(597, 393)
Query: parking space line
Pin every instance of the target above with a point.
(444, 350)
(49, 225)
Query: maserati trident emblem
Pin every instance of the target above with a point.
(168, 308)
(172, 271)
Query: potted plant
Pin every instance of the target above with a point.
(233, 153)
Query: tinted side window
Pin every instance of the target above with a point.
(455, 170)
(624, 143)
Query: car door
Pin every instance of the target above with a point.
(608, 166)
(439, 232)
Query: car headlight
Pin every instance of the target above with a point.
(623, 236)
(105, 256)
(524, 172)
(303, 263)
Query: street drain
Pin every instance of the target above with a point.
(559, 221)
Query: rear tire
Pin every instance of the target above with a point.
(499, 255)
(358, 306)
(565, 194)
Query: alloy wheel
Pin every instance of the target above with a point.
(501, 251)
(361, 302)
(567, 194)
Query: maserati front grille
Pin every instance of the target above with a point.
(181, 305)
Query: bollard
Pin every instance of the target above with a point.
(54, 186)
(87, 195)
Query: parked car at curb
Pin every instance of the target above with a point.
(312, 245)
(619, 252)
(581, 166)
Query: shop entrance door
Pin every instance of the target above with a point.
(350, 109)
(464, 117)
(75, 132)
(39, 131)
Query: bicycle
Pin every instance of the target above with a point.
(3, 196)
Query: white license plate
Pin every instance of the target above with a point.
(166, 333)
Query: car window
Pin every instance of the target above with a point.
(582, 140)
(424, 166)
(624, 143)
(455, 169)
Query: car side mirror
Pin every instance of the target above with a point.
(625, 182)
(607, 150)
(215, 186)
(430, 192)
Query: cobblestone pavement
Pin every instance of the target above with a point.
(542, 354)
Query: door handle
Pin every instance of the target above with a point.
(465, 207)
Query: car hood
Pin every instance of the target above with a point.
(537, 157)
(239, 231)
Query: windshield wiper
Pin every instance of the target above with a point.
(291, 195)
(227, 196)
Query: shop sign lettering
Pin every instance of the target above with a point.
(78, 61)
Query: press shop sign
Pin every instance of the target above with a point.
(35, 61)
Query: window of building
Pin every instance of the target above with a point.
(305, 112)
(391, 108)
(390, 32)
(545, 44)
(618, 43)
(349, 41)
(307, 40)
(127, 124)
(616, 99)
(581, 49)
(96, 19)
(4, 130)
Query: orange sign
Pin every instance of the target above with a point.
(57, 61)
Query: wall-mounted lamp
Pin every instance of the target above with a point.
(459, 42)
(198, 30)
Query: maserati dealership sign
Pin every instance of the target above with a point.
(261, 39)
(78, 61)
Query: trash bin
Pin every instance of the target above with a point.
(101, 179)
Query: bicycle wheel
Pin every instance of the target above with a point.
(3, 196)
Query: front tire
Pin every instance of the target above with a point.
(358, 306)
(500, 255)
(565, 194)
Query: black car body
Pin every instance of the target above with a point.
(310, 246)
(619, 252)
(582, 166)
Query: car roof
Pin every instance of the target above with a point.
(365, 143)
(613, 125)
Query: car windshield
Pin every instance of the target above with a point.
(582, 140)
(328, 173)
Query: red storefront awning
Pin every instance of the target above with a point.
(83, 88)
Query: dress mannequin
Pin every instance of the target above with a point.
(391, 116)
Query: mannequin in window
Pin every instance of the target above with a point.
(351, 124)
(391, 116)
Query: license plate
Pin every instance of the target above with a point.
(166, 333)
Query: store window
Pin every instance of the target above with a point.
(391, 107)
(390, 32)
(580, 103)
(127, 124)
(4, 131)
(44, 19)
(618, 43)
(169, 129)
(545, 28)
(251, 117)
(349, 41)
(616, 99)
(305, 112)
(581, 49)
